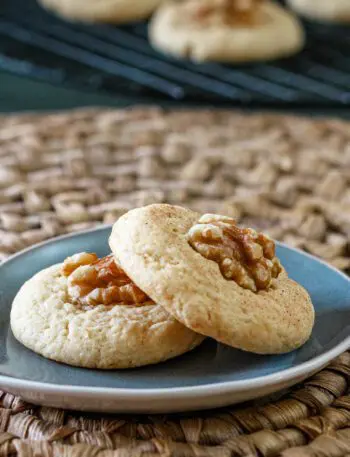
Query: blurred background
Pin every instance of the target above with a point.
(48, 63)
(288, 175)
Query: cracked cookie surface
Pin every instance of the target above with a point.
(323, 10)
(113, 11)
(47, 320)
(151, 244)
(225, 30)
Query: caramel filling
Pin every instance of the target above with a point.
(93, 281)
(243, 255)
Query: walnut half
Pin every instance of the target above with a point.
(93, 281)
(243, 255)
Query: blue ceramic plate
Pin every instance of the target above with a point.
(212, 375)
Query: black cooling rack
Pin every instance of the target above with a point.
(119, 59)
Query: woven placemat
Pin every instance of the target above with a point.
(286, 175)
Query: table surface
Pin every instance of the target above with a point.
(184, 434)
(19, 93)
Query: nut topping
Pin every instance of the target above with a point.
(227, 12)
(243, 255)
(93, 281)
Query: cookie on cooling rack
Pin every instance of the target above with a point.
(218, 280)
(86, 312)
(325, 10)
(113, 11)
(226, 30)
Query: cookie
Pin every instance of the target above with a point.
(113, 11)
(218, 30)
(206, 283)
(324, 10)
(64, 314)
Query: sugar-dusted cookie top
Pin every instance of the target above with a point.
(215, 278)
(324, 10)
(113, 11)
(87, 312)
(226, 30)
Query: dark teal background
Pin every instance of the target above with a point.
(20, 93)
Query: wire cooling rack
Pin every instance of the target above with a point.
(120, 59)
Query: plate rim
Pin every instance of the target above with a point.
(286, 375)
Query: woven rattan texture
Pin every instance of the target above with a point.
(64, 172)
(289, 176)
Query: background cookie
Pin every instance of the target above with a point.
(114, 11)
(277, 34)
(105, 337)
(151, 245)
(326, 10)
